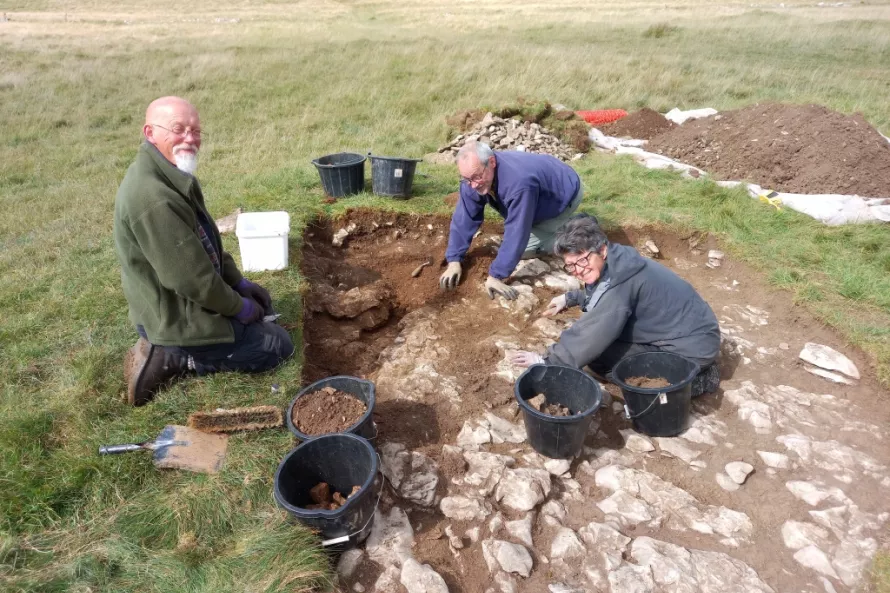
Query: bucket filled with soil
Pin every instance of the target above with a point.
(331, 484)
(657, 390)
(333, 405)
(558, 404)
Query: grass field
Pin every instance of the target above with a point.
(278, 84)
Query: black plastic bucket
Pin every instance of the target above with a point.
(658, 412)
(342, 174)
(559, 437)
(343, 461)
(392, 176)
(361, 389)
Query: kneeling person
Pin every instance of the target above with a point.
(192, 308)
(630, 305)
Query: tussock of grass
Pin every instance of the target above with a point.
(276, 89)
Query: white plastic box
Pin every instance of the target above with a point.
(262, 237)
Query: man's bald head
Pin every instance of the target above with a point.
(173, 126)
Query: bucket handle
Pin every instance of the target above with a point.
(345, 538)
(662, 397)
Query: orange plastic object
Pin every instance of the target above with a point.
(601, 116)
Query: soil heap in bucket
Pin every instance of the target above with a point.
(360, 389)
(392, 176)
(558, 437)
(657, 411)
(342, 174)
(343, 461)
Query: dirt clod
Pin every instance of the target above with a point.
(644, 124)
(323, 499)
(320, 493)
(327, 410)
(648, 382)
(539, 402)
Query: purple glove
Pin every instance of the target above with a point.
(250, 312)
(251, 290)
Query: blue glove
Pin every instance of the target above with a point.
(250, 312)
(251, 290)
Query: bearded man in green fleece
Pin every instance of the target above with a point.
(193, 310)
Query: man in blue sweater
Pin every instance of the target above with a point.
(535, 194)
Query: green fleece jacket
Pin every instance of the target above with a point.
(171, 285)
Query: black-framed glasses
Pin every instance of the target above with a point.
(579, 264)
(182, 131)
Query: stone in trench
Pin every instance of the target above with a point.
(388, 581)
(530, 268)
(548, 328)
(636, 442)
(486, 469)
(471, 436)
(813, 494)
(413, 475)
(606, 541)
(851, 559)
(510, 557)
(624, 506)
(391, 537)
(726, 482)
(462, 508)
(521, 529)
(502, 430)
(557, 467)
(561, 281)
(554, 509)
(566, 545)
(828, 358)
(814, 558)
(750, 409)
(797, 535)
(349, 561)
(833, 377)
(524, 303)
(522, 489)
(705, 430)
(563, 588)
(675, 448)
(454, 540)
(630, 578)
(505, 582)
(775, 460)
(421, 578)
(738, 471)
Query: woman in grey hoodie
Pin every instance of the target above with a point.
(630, 304)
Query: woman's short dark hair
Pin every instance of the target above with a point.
(580, 233)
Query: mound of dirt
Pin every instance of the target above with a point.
(806, 149)
(644, 124)
(327, 410)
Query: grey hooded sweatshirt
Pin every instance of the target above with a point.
(637, 300)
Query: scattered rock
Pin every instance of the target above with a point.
(829, 359)
(530, 268)
(727, 483)
(473, 436)
(502, 430)
(833, 377)
(511, 134)
(227, 224)
(391, 538)
(814, 558)
(561, 281)
(454, 540)
(775, 460)
(607, 541)
(521, 529)
(388, 581)
(421, 578)
(675, 448)
(814, 494)
(507, 556)
(557, 467)
(522, 489)
(630, 578)
(715, 258)
(413, 475)
(341, 235)
(797, 535)
(636, 442)
(738, 471)
(462, 508)
(554, 509)
(349, 561)
(485, 469)
(566, 545)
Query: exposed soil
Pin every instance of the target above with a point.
(806, 149)
(644, 124)
(323, 498)
(386, 247)
(648, 382)
(327, 410)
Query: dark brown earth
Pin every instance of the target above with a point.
(806, 149)
(383, 251)
(648, 382)
(327, 410)
(644, 124)
(323, 498)
(539, 402)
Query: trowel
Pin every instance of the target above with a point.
(180, 447)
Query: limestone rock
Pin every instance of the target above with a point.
(505, 582)
(524, 303)
(508, 556)
(814, 494)
(797, 535)
(814, 558)
(628, 509)
(566, 545)
(557, 467)
(751, 410)
(391, 537)
(521, 530)
(413, 475)
(675, 448)
(462, 508)
(561, 281)
(349, 561)
(636, 442)
(547, 327)
(738, 471)
(471, 436)
(554, 509)
(485, 469)
(388, 581)
(775, 460)
(502, 430)
(606, 541)
(630, 578)
(833, 377)
(421, 578)
(530, 268)
(726, 482)
(522, 489)
(829, 359)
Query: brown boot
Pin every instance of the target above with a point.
(148, 368)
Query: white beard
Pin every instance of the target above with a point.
(187, 162)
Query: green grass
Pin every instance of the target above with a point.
(285, 84)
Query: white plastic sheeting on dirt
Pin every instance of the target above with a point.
(830, 209)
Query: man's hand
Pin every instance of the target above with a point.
(250, 312)
(451, 278)
(523, 358)
(556, 305)
(251, 290)
(495, 286)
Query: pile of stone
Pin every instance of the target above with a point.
(512, 134)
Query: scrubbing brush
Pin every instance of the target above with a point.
(254, 418)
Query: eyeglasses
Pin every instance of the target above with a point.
(475, 178)
(580, 263)
(182, 131)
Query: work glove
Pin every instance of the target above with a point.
(556, 305)
(251, 290)
(250, 312)
(450, 279)
(523, 358)
(495, 286)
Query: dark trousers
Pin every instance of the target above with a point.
(257, 347)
